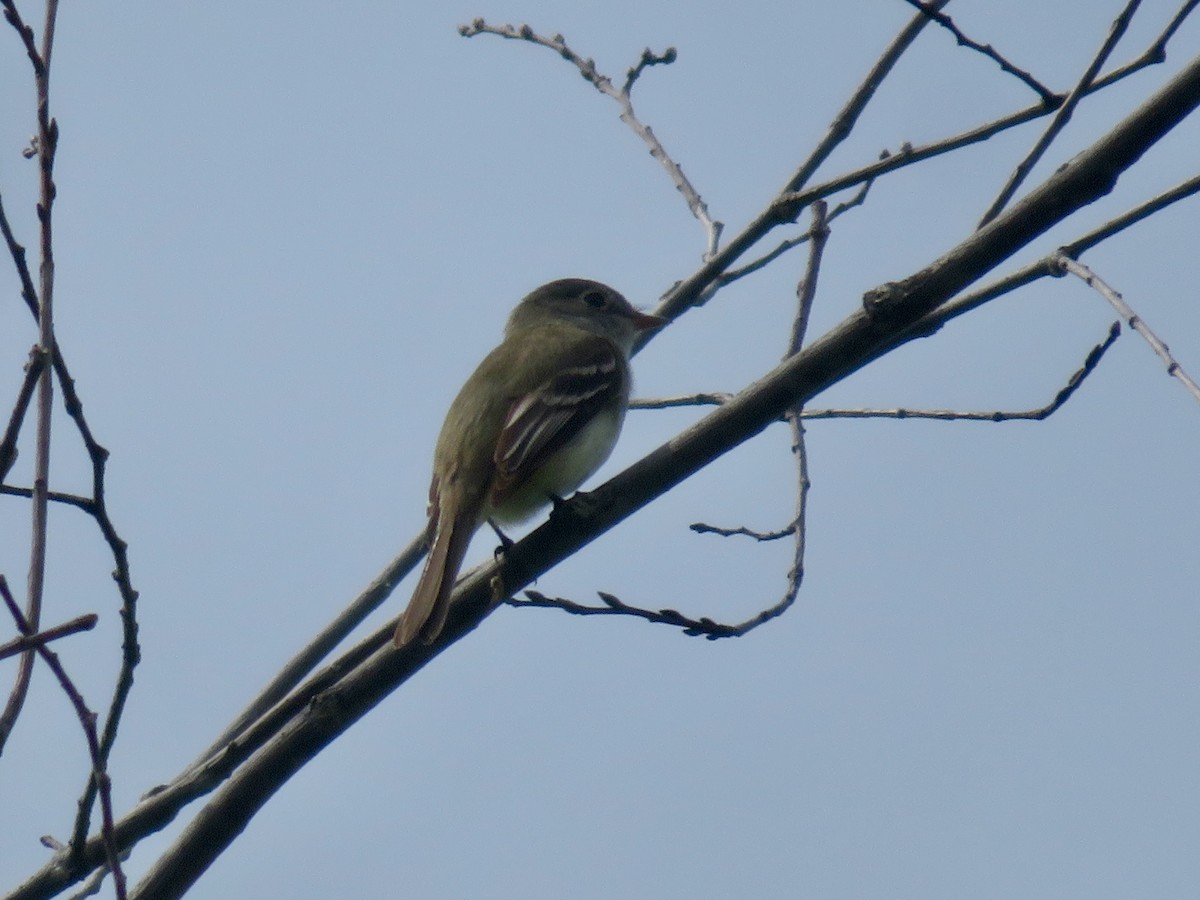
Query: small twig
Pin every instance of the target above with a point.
(761, 536)
(1156, 52)
(649, 58)
(87, 719)
(32, 641)
(613, 606)
(843, 123)
(86, 504)
(1048, 96)
(860, 197)
(8, 444)
(17, 251)
(806, 292)
(1092, 280)
(945, 415)
(711, 399)
(27, 37)
(1047, 267)
(602, 83)
(1063, 115)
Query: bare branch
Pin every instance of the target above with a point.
(33, 641)
(1156, 52)
(614, 606)
(845, 206)
(1063, 115)
(1048, 96)
(27, 38)
(293, 732)
(87, 719)
(790, 202)
(714, 399)
(741, 531)
(17, 251)
(847, 118)
(1037, 414)
(1047, 266)
(47, 140)
(649, 58)
(8, 444)
(602, 83)
(1092, 280)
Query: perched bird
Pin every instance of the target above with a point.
(540, 414)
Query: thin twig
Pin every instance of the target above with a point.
(1136, 322)
(742, 531)
(705, 399)
(860, 197)
(1047, 267)
(789, 203)
(17, 251)
(8, 444)
(1063, 115)
(602, 83)
(86, 504)
(1035, 414)
(1048, 96)
(87, 719)
(32, 641)
(614, 606)
(27, 37)
(806, 292)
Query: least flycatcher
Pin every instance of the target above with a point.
(540, 414)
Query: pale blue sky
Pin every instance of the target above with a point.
(286, 234)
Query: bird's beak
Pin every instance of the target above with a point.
(647, 322)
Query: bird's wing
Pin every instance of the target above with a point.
(542, 421)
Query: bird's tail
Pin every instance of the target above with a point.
(426, 611)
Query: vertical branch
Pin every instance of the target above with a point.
(806, 292)
(47, 138)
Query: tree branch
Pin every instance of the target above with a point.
(1063, 115)
(1049, 98)
(602, 83)
(881, 324)
(1136, 322)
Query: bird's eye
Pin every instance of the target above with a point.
(595, 300)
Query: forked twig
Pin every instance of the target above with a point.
(1048, 96)
(1063, 115)
(1136, 322)
(622, 95)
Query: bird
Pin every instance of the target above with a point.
(539, 415)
